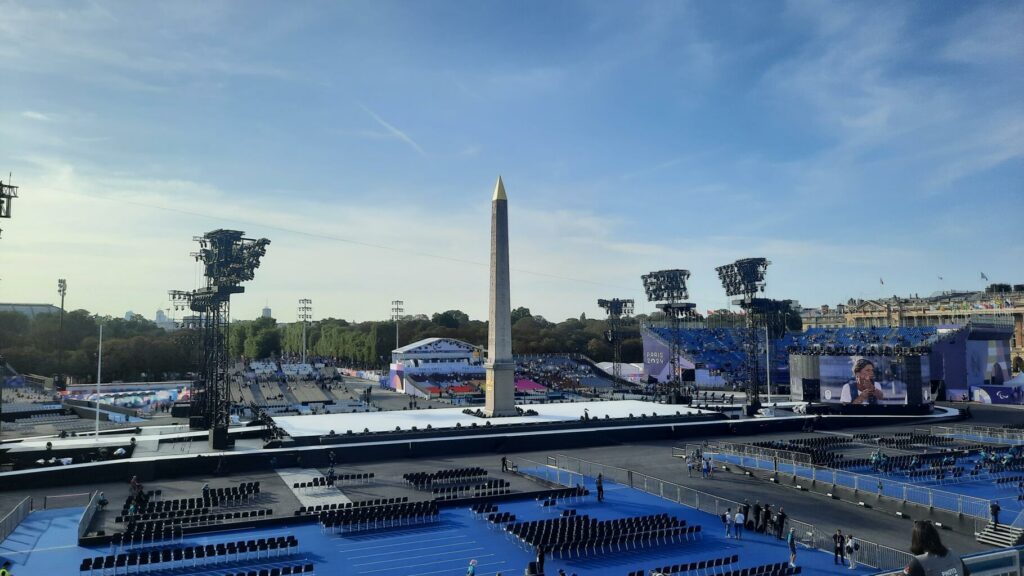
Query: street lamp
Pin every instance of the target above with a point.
(305, 314)
(62, 289)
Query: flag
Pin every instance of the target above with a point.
(882, 282)
(983, 277)
(941, 278)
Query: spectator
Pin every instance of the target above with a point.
(930, 556)
(780, 522)
(739, 519)
(851, 551)
(839, 548)
(206, 491)
(756, 514)
(102, 502)
(791, 542)
(600, 488)
(689, 467)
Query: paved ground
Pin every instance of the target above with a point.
(653, 458)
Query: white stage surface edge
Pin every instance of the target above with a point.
(322, 424)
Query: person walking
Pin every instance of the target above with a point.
(739, 519)
(791, 542)
(471, 571)
(755, 515)
(839, 548)
(504, 464)
(994, 509)
(689, 467)
(600, 488)
(930, 556)
(851, 550)
(727, 520)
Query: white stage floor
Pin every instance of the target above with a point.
(322, 424)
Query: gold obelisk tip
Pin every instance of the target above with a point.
(499, 191)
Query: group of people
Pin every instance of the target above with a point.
(845, 549)
(759, 519)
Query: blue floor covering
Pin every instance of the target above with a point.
(45, 544)
(942, 494)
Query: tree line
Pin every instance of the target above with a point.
(137, 349)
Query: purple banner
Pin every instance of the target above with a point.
(998, 394)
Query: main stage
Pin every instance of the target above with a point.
(406, 420)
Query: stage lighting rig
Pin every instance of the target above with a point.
(616, 309)
(228, 260)
(667, 288)
(744, 277)
(7, 194)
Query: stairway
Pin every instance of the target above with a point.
(1001, 537)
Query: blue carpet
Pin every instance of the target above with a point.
(45, 544)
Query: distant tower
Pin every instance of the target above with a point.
(500, 388)
(266, 312)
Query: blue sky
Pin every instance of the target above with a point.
(846, 142)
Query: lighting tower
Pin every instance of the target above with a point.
(62, 289)
(745, 278)
(229, 259)
(669, 288)
(396, 315)
(306, 315)
(616, 309)
(7, 193)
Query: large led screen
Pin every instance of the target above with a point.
(871, 380)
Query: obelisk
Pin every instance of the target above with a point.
(500, 387)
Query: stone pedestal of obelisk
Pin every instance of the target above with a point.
(500, 387)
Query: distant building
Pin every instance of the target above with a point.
(164, 322)
(266, 312)
(954, 307)
(128, 316)
(30, 310)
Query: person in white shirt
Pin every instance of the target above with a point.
(739, 519)
(862, 389)
(851, 551)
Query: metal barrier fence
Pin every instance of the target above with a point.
(570, 471)
(66, 500)
(886, 487)
(10, 522)
(980, 433)
(87, 514)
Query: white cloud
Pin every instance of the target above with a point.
(33, 115)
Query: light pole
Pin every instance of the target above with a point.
(305, 314)
(62, 289)
(396, 315)
(99, 377)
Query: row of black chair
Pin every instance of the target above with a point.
(169, 514)
(630, 541)
(703, 566)
(326, 481)
(346, 505)
(178, 557)
(428, 479)
(359, 519)
(501, 518)
(157, 526)
(477, 494)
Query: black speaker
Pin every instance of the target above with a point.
(219, 439)
(811, 389)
